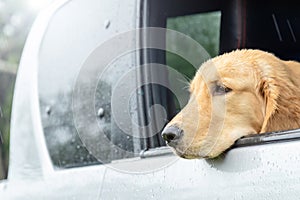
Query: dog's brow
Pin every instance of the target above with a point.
(215, 82)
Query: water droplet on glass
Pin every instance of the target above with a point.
(100, 112)
(140, 92)
(48, 110)
(106, 24)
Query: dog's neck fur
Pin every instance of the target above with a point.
(286, 115)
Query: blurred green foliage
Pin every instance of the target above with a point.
(15, 22)
(6, 88)
(16, 18)
(203, 28)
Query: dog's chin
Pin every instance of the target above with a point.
(191, 155)
(186, 155)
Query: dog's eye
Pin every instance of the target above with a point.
(221, 89)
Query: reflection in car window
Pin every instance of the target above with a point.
(202, 27)
(84, 132)
(72, 144)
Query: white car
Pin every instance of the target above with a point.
(98, 80)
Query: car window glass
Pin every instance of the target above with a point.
(80, 133)
(203, 28)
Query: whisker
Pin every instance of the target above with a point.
(187, 78)
(183, 81)
(187, 84)
(187, 87)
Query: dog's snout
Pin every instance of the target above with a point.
(171, 133)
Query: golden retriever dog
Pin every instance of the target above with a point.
(233, 95)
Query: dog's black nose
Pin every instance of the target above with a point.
(171, 133)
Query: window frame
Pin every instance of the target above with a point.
(154, 13)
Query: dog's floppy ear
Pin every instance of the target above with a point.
(270, 92)
(281, 98)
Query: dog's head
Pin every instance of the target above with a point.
(232, 95)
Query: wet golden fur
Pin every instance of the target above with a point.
(264, 97)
